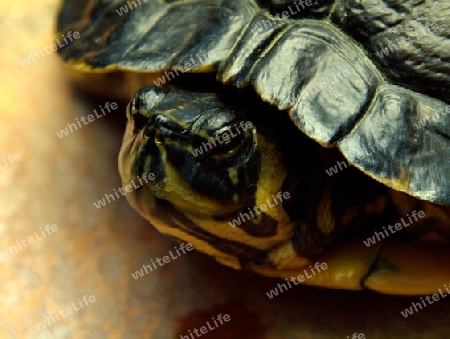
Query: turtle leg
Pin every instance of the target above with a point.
(391, 267)
(409, 270)
(346, 265)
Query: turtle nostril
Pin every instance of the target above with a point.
(153, 134)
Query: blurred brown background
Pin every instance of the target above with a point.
(95, 251)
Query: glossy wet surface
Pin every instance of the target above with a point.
(93, 252)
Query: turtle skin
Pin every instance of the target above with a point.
(286, 61)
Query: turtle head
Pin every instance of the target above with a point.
(201, 156)
(193, 165)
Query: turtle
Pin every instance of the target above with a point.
(306, 140)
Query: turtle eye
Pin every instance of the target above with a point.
(228, 150)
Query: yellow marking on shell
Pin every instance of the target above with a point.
(203, 69)
(121, 85)
(81, 66)
(399, 184)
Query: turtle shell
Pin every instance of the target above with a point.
(297, 65)
(341, 74)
